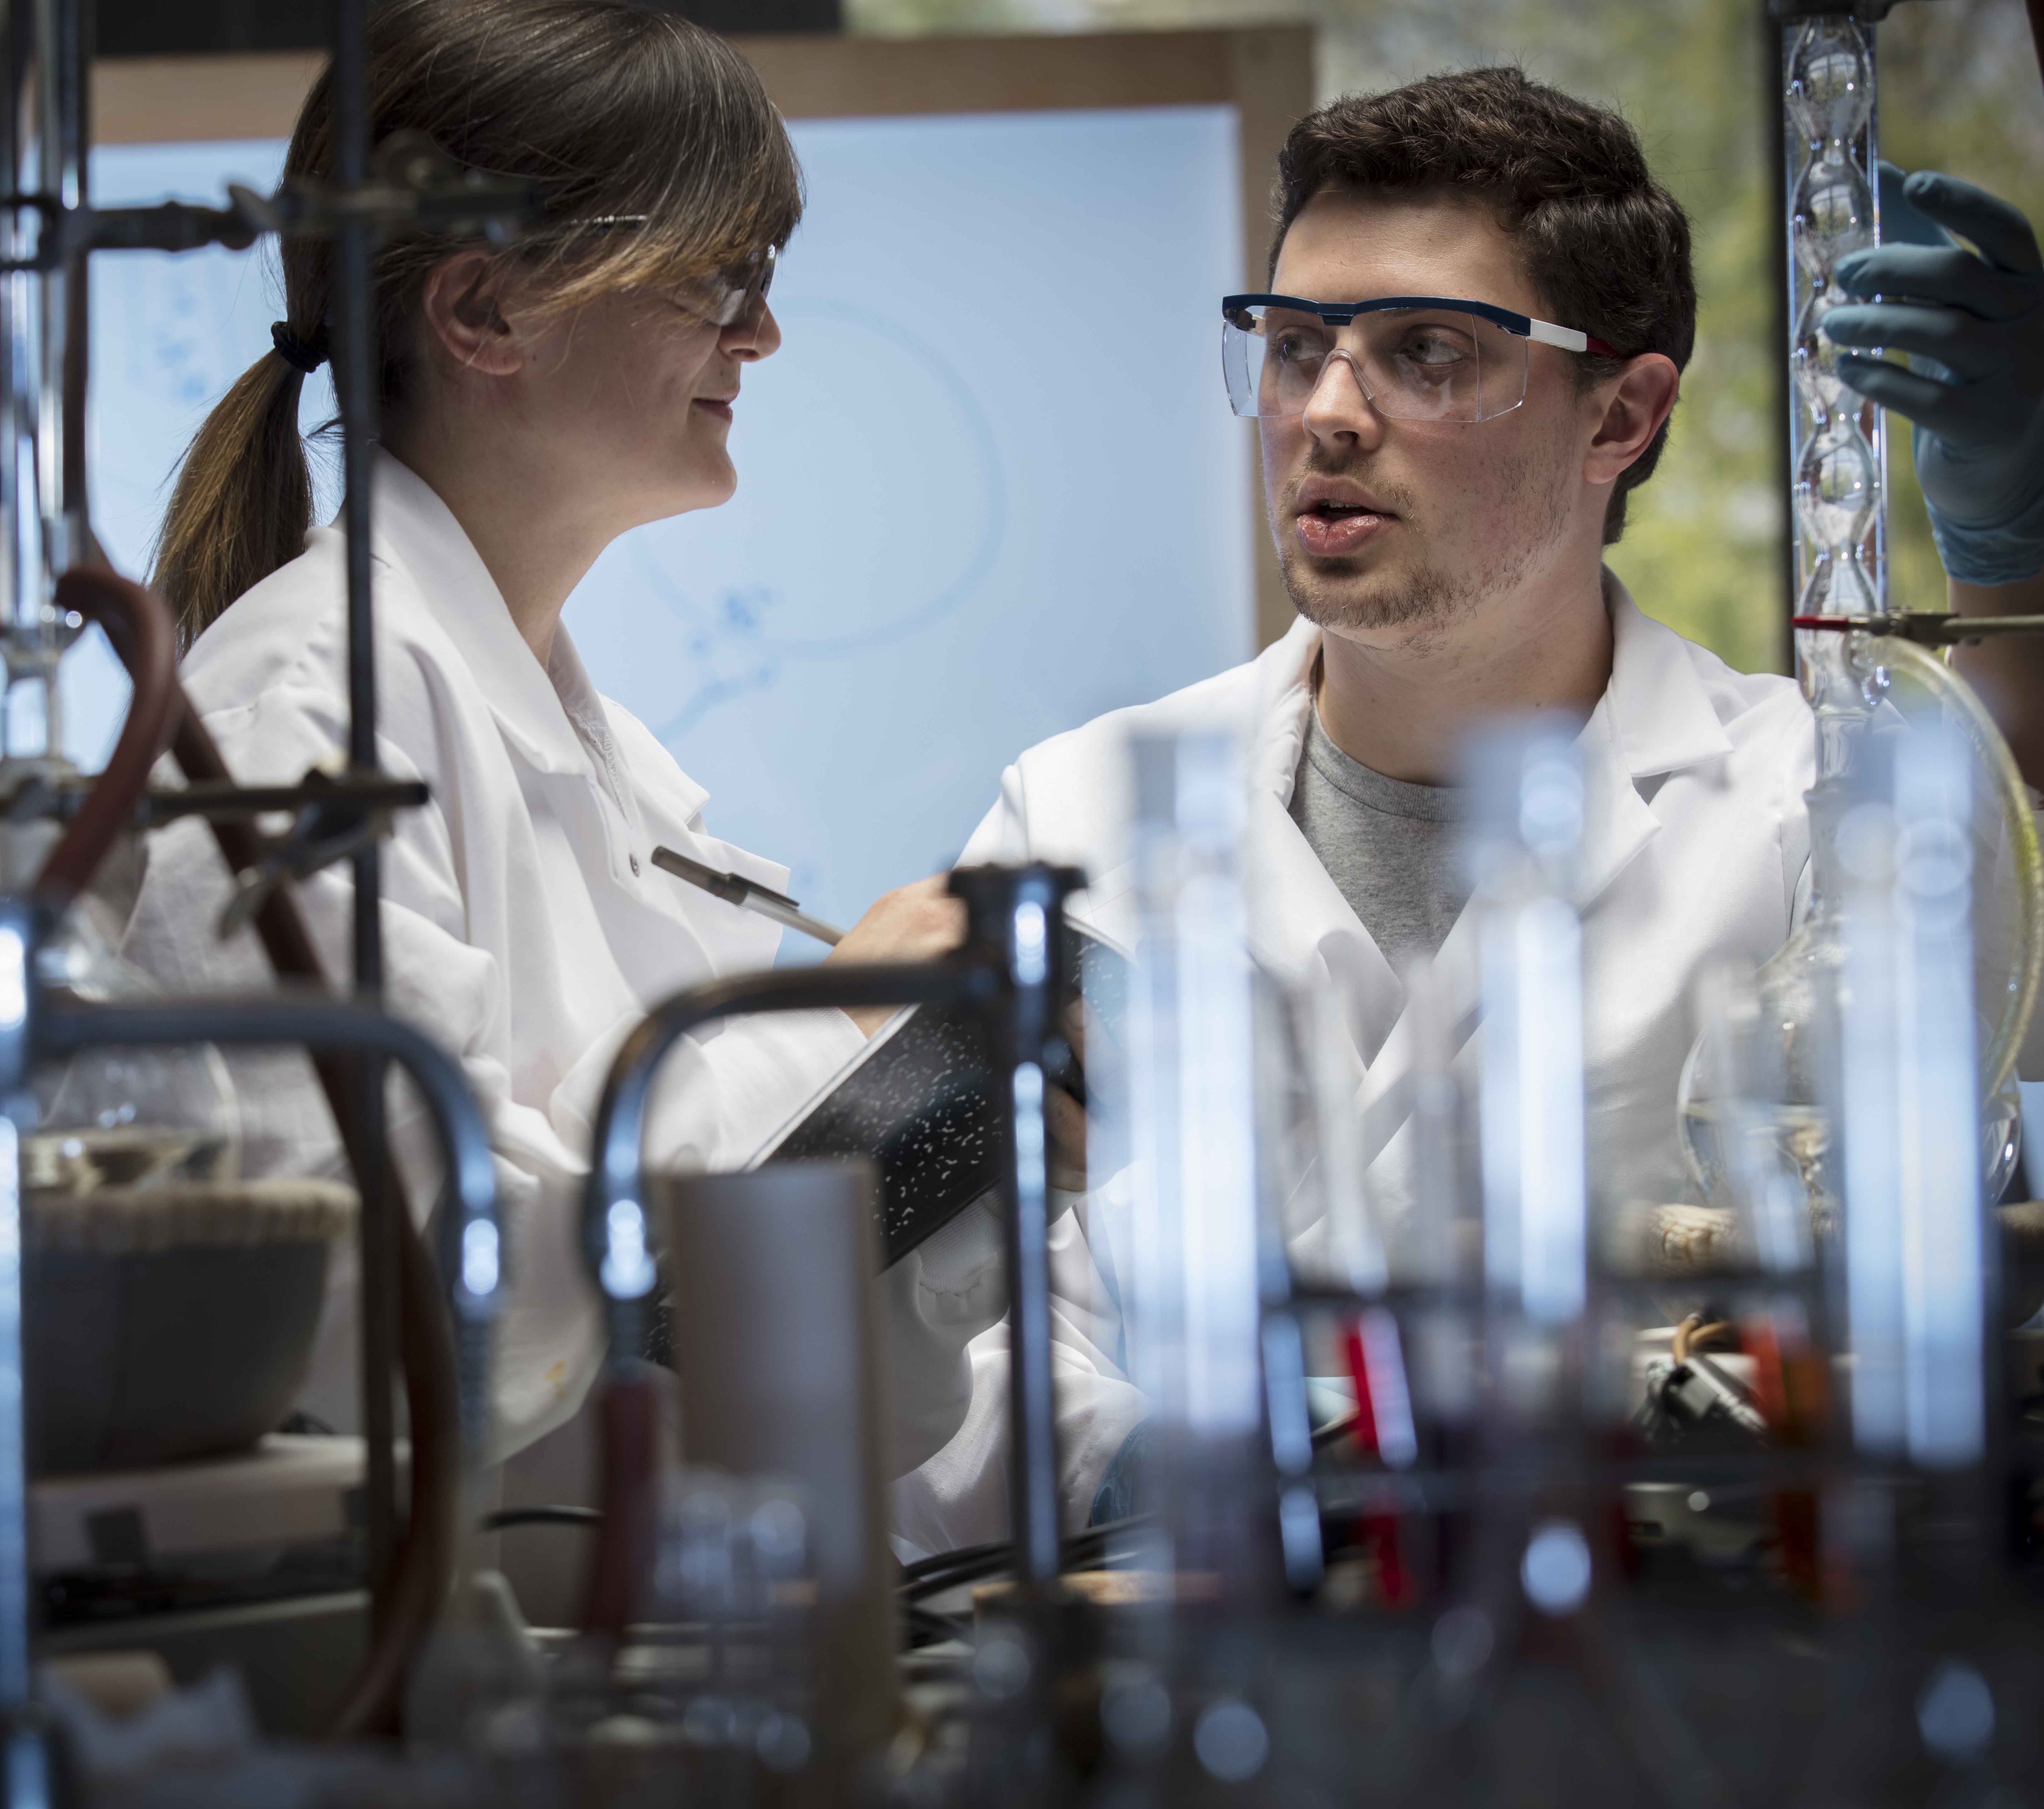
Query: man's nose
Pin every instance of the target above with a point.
(1340, 404)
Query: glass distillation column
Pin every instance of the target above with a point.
(1840, 463)
(1839, 450)
(1838, 441)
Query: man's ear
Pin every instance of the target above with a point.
(462, 305)
(1634, 406)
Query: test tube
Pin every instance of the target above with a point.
(1915, 1247)
(1525, 834)
(1194, 1315)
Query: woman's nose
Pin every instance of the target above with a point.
(756, 334)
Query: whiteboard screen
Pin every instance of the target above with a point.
(989, 488)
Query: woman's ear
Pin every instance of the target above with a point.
(461, 303)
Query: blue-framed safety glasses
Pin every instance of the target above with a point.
(1415, 357)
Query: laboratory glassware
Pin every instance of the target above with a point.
(1839, 455)
(1193, 1300)
(1916, 1248)
(1523, 842)
(125, 1118)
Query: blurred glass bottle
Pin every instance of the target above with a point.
(726, 1660)
(116, 1117)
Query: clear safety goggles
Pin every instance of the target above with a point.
(724, 297)
(733, 294)
(1414, 357)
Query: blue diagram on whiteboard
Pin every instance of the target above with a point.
(742, 639)
(989, 487)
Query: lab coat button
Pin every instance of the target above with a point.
(634, 866)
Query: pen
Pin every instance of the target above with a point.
(747, 894)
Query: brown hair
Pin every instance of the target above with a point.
(1604, 244)
(610, 110)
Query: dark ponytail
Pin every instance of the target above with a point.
(660, 160)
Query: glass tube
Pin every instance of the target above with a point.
(1838, 446)
(1195, 1305)
(1525, 838)
(1916, 1239)
(1838, 441)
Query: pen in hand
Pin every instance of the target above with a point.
(747, 894)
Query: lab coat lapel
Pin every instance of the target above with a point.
(1301, 925)
(554, 723)
(421, 533)
(1653, 718)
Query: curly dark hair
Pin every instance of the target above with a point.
(1604, 244)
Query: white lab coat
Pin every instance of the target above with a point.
(1695, 842)
(526, 929)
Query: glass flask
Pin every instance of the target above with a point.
(113, 1117)
(1751, 1150)
(1795, 998)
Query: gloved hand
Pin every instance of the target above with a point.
(1973, 324)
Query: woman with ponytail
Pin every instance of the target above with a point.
(536, 402)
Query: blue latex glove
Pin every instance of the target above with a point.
(1973, 324)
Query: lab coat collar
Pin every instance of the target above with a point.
(1655, 718)
(1658, 717)
(1662, 715)
(555, 719)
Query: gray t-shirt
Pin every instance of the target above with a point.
(1389, 845)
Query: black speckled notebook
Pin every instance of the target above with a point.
(918, 1100)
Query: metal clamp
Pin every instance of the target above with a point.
(1927, 628)
(417, 186)
(343, 816)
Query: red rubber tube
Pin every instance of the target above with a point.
(139, 626)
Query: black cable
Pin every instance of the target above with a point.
(944, 1560)
(973, 1563)
(927, 1627)
(542, 1516)
(1000, 1552)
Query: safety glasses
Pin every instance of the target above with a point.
(733, 294)
(1415, 357)
(724, 297)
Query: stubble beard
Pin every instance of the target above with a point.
(1428, 599)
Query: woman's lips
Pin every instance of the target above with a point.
(1335, 536)
(721, 410)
